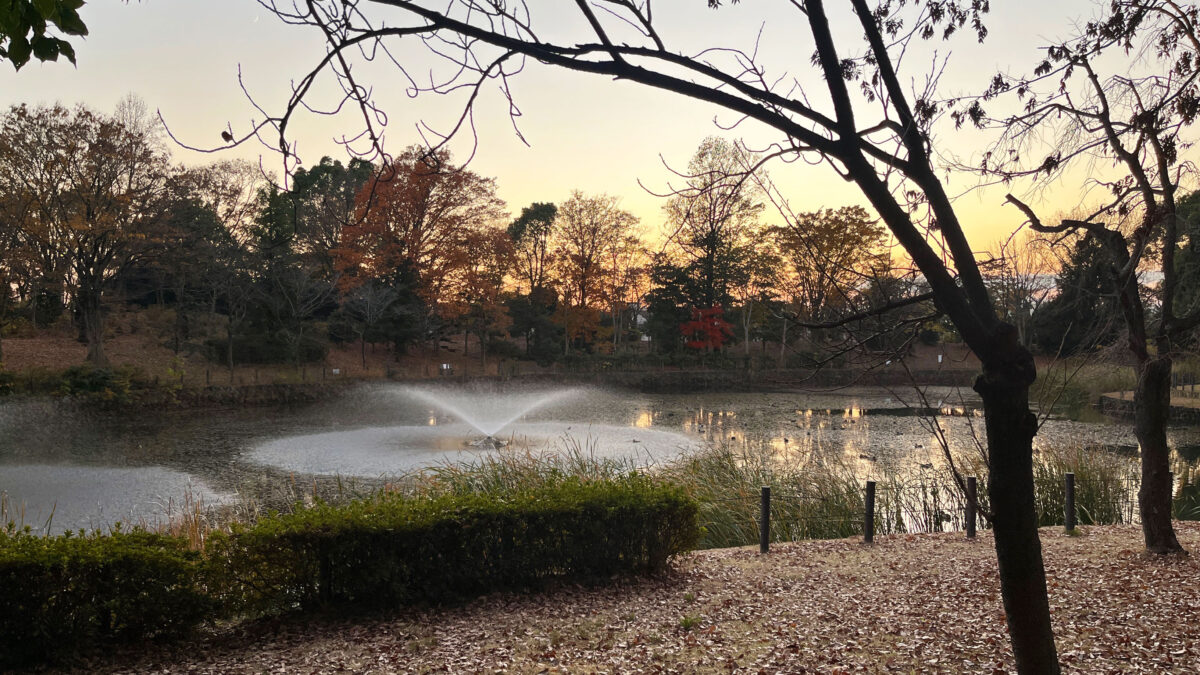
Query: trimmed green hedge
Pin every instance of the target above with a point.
(62, 594)
(59, 594)
(389, 549)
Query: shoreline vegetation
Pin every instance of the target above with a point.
(284, 551)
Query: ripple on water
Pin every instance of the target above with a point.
(382, 451)
(74, 497)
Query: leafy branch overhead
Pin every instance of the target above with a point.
(28, 28)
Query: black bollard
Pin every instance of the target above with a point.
(971, 506)
(869, 517)
(764, 521)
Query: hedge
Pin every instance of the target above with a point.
(390, 549)
(64, 593)
(71, 592)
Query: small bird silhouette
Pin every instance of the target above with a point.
(226, 136)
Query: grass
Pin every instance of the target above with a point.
(811, 497)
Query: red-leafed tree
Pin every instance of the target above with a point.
(708, 329)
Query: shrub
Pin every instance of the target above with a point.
(390, 549)
(100, 384)
(68, 592)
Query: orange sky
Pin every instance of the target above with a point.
(585, 132)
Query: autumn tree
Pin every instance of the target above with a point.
(857, 116)
(481, 285)
(94, 190)
(625, 284)
(1123, 92)
(754, 287)
(415, 217)
(831, 255)
(587, 229)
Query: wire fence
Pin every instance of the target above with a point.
(893, 507)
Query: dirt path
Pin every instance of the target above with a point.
(925, 603)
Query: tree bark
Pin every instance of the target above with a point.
(93, 326)
(1152, 408)
(229, 345)
(1011, 426)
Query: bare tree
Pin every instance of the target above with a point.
(860, 120)
(1137, 120)
(1021, 279)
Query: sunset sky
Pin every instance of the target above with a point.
(585, 132)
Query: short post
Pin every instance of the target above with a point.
(972, 491)
(764, 521)
(869, 517)
(1069, 507)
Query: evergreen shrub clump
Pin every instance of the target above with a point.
(393, 549)
(64, 593)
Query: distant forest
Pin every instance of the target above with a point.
(93, 213)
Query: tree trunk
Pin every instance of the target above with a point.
(229, 345)
(1152, 408)
(746, 329)
(783, 346)
(1004, 387)
(93, 326)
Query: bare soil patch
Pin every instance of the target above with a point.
(908, 603)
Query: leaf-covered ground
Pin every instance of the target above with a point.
(923, 603)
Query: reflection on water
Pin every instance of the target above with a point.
(373, 430)
(57, 498)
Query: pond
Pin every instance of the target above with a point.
(68, 468)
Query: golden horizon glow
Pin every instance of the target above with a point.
(584, 132)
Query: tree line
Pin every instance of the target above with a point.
(94, 214)
(405, 253)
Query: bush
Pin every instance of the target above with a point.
(68, 592)
(390, 549)
(98, 384)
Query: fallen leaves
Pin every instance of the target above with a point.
(928, 604)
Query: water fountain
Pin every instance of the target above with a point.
(465, 423)
(490, 413)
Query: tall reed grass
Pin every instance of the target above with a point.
(813, 494)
